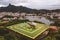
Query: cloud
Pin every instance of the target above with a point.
(4, 2)
(37, 4)
(2, 5)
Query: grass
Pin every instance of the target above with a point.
(24, 29)
(2, 38)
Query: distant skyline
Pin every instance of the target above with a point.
(34, 4)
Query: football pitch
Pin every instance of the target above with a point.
(25, 29)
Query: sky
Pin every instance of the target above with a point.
(34, 4)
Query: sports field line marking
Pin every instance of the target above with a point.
(28, 31)
(31, 36)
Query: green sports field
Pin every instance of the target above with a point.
(24, 29)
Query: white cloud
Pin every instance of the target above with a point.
(2, 5)
(37, 4)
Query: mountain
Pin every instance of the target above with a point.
(12, 8)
